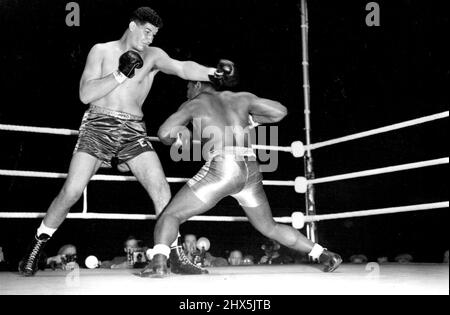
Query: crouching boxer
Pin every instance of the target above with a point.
(231, 170)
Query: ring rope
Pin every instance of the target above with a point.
(373, 132)
(374, 212)
(379, 171)
(285, 220)
(50, 131)
(68, 132)
(113, 178)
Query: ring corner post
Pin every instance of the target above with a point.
(311, 228)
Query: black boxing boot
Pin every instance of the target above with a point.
(180, 263)
(330, 260)
(29, 265)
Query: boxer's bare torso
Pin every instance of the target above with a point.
(130, 96)
(220, 119)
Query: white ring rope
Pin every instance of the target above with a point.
(369, 213)
(378, 131)
(51, 131)
(284, 220)
(113, 178)
(68, 132)
(379, 171)
(296, 148)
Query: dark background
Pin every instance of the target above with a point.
(362, 78)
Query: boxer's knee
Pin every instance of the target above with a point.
(171, 218)
(71, 194)
(160, 190)
(161, 195)
(268, 229)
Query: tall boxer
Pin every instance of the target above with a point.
(117, 79)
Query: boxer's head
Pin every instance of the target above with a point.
(235, 258)
(144, 25)
(194, 88)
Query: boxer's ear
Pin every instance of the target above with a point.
(132, 26)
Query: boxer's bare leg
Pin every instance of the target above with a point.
(82, 167)
(262, 219)
(183, 206)
(148, 170)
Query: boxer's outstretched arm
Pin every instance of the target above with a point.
(92, 86)
(187, 70)
(175, 124)
(265, 111)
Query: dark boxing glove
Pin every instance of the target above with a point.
(128, 63)
(225, 74)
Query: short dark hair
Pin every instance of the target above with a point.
(147, 15)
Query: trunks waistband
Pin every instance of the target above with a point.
(235, 151)
(119, 115)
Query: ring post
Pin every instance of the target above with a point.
(311, 228)
(85, 201)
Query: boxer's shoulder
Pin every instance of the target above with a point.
(239, 98)
(244, 95)
(101, 50)
(107, 46)
(152, 53)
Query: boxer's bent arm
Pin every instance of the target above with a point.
(175, 124)
(265, 111)
(187, 70)
(92, 86)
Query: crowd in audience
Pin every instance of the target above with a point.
(136, 255)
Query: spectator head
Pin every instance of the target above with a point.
(404, 259)
(248, 260)
(68, 250)
(2, 256)
(235, 258)
(383, 260)
(68, 254)
(219, 262)
(270, 246)
(358, 259)
(190, 243)
(446, 257)
(130, 243)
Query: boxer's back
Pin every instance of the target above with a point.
(222, 118)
